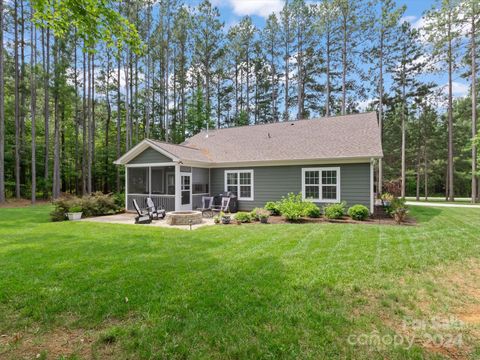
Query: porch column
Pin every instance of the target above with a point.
(126, 188)
(178, 199)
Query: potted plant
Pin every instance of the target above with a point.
(216, 219)
(226, 219)
(264, 218)
(74, 212)
(387, 199)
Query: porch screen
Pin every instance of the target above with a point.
(158, 181)
(138, 180)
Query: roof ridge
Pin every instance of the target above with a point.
(167, 143)
(282, 122)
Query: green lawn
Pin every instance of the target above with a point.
(91, 290)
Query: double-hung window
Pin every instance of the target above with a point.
(240, 182)
(321, 184)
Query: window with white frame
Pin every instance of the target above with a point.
(321, 184)
(240, 182)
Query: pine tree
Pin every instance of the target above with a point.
(443, 34)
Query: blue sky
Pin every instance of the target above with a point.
(232, 11)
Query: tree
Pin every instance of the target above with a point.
(270, 38)
(207, 38)
(443, 34)
(2, 112)
(198, 117)
(405, 73)
(381, 54)
(33, 104)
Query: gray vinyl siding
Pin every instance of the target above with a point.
(150, 156)
(273, 182)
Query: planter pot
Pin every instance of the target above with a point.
(264, 220)
(226, 220)
(74, 216)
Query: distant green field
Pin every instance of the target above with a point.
(91, 290)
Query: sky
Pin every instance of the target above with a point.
(232, 10)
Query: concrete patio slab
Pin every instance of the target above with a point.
(129, 219)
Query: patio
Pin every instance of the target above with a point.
(129, 219)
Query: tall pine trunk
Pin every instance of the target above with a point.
(450, 113)
(33, 103)
(119, 120)
(2, 113)
(46, 106)
(56, 137)
(17, 104)
(380, 109)
(474, 103)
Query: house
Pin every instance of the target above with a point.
(328, 160)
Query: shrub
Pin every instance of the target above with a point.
(334, 211)
(259, 213)
(96, 204)
(395, 204)
(75, 209)
(273, 207)
(311, 210)
(358, 212)
(292, 207)
(243, 217)
(400, 214)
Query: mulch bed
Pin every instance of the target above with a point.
(345, 220)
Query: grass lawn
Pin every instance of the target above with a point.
(460, 201)
(105, 291)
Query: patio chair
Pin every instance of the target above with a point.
(224, 206)
(143, 217)
(153, 211)
(207, 205)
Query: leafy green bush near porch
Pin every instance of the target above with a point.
(96, 204)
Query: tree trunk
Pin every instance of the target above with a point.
(84, 126)
(17, 105)
(89, 124)
(344, 66)
(119, 119)
(287, 57)
(327, 95)
(380, 110)
(33, 103)
(56, 152)
(425, 172)
(77, 121)
(46, 106)
(403, 135)
(2, 113)
(474, 104)
(23, 95)
(450, 115)
(106, 185)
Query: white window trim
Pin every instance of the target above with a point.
(320, 199)
(238, 172)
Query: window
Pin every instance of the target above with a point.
(321, 184)
(240, 182)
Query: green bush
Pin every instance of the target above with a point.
(259, 213)
(75, 209)
(243, 217)
(273, 207)
(292, 207)
(311, 210)
(96, 204)
(334, 211)
(358, 212)
(395, 203)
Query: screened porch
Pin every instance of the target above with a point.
(171, 188)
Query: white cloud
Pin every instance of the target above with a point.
(459, 89)
(254, 7)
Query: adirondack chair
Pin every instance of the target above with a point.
(224, 206)
(153, 211)
(142, 217)
(207, 206)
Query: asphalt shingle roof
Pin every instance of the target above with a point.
(337, 137)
